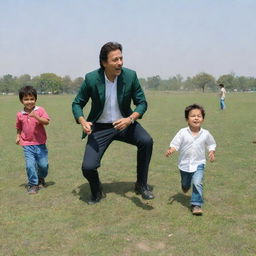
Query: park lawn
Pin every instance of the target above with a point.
(57, 221)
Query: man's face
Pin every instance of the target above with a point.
(113, 65)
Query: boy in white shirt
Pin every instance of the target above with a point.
(192, 142)
(222, 96)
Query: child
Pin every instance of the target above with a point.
(192, 142)
(222, 96)
(31, 136)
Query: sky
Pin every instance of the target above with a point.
(159, 37)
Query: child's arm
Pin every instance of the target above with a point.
(18, 137)
(170, 151)
(41, 120)
(174, 145)
(211, 155)
(211, 146)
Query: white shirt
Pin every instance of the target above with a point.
(192, 148)
(111, 111)
(222, 93)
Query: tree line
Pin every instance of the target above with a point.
(50, 83)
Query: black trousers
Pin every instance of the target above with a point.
(101, 138)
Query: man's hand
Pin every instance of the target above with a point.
(170, 151)
(87, 127)
(122, 123)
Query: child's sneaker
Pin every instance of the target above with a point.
(41, 183)
(197, 210)
(32, 189)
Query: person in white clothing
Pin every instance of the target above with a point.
(222, 96)
(192, 142)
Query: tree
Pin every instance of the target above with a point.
(22, 81)
(7, 83)
(202, 79)
(76, 84)
(228, 80)
(153, 82)
(67, 84)
(175, 83)
(143, 82)
(49, 82)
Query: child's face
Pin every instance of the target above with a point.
(195, 119)
(29, 102)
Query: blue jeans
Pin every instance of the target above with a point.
(36, 157)
(196, 180)
(222, 104)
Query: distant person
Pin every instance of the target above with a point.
(111, 89)
(192, 142)
(31, 135)
(222, 96)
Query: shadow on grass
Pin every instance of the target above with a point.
(120, 188)
(181, 198)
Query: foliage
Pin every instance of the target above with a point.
(50, 83)
(228, 80)
(202, 80)
(7, 83)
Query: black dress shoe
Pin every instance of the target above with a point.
(96, 198)
(144, 191)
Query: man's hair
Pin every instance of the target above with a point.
(27, 90)
(192, 107)
(221, 85)
(106, 48)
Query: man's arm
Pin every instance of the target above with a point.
(138, 97)
(139, 101)
(80, 101)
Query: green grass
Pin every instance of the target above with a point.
(57, 221)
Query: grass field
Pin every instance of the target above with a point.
(57, 221)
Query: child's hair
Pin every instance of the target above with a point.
(221, 85)
(27, 90)
(194, 106)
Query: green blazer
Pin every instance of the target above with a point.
(93, 87)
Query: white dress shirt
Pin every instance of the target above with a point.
(192, 148)
(111, 111)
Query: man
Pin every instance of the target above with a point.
(111, 89)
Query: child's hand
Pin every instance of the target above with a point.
(41, 120)
(169, 152)
(18, 140)
(33, 114)
(211, 156)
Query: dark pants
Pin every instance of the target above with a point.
(101, 138)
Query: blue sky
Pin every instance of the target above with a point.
(164, 37)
